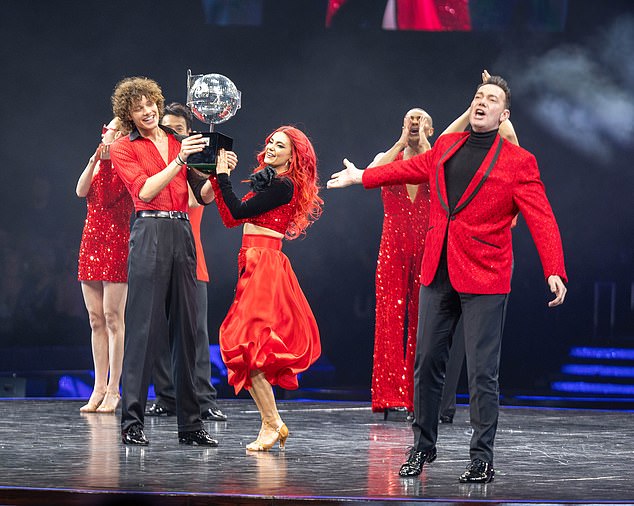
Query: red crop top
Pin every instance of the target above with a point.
(273, 207)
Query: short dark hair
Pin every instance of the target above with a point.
(182, 111)
(500, 83)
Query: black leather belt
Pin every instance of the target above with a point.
(172, 215)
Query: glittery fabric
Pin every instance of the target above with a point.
(397, 287)
(478, 232)
(454, 14)
(276, 219)
(103, 253)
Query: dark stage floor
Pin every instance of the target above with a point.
(337, 452)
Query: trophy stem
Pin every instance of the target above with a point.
(211, 127)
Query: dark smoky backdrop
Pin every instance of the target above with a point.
(348, 88)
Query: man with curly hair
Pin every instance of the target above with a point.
(162, 261)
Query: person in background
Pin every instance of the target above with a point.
(405, 217)
(103, 268)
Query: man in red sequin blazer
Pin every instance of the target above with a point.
(478, 183)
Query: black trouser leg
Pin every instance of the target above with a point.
(182, 328)
(453, 371)
(439, 311)
(483, 318)
(162, 376)
(149, 273)
(206, 392)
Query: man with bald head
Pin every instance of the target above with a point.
(406, 212)
(478, 184)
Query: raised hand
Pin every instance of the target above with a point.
(190, 145)
(222, 163)
(232, 160)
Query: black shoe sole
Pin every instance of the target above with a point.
(195, 443)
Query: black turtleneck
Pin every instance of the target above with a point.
(462, 166)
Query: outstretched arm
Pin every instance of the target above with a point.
(346, 177)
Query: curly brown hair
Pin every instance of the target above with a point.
(128, 92)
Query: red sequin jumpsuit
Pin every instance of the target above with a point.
(397, 290)
(103, 253)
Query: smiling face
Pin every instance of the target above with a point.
(278, 151)
(145, 115)
(488, 108)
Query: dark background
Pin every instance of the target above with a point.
(347, 88)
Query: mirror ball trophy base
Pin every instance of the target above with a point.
(205, 161)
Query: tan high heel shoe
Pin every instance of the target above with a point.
(281, 435)
(96, 398)
(109, 403)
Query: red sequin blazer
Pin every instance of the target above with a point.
(478, 231)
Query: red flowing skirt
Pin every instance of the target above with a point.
(270, 326)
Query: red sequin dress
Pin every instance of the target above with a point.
(397, 291)
(103, 253)
(270, 326)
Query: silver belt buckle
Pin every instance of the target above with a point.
(173, 215)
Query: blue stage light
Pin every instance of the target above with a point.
(603, 353)
(595, 388)
(598, 370)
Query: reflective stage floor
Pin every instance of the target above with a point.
(337, 453)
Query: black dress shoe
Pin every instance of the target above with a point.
(214, 414)
(157, 409)
(446, 418)
(196, 437)
(478, 471)
(416, 461)
(134, 435)
(398, 413)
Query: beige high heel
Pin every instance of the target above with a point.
(96, 398)
(263, 446)
(109, 403)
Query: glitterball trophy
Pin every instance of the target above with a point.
(213, 99)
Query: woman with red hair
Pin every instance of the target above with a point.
(270, 335)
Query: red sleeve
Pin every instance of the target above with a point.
(530, 197)
(127, 165)
(225, 214)
(412, 171)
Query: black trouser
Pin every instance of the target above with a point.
(161, 301)
(453, 371)
(162, 373)
(440, 309)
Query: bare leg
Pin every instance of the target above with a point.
(274, 429)
(114, 307)
(93, 298)
(258, 403)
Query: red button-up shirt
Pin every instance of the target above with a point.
(136, 158)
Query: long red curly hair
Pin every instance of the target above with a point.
(303, 172)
